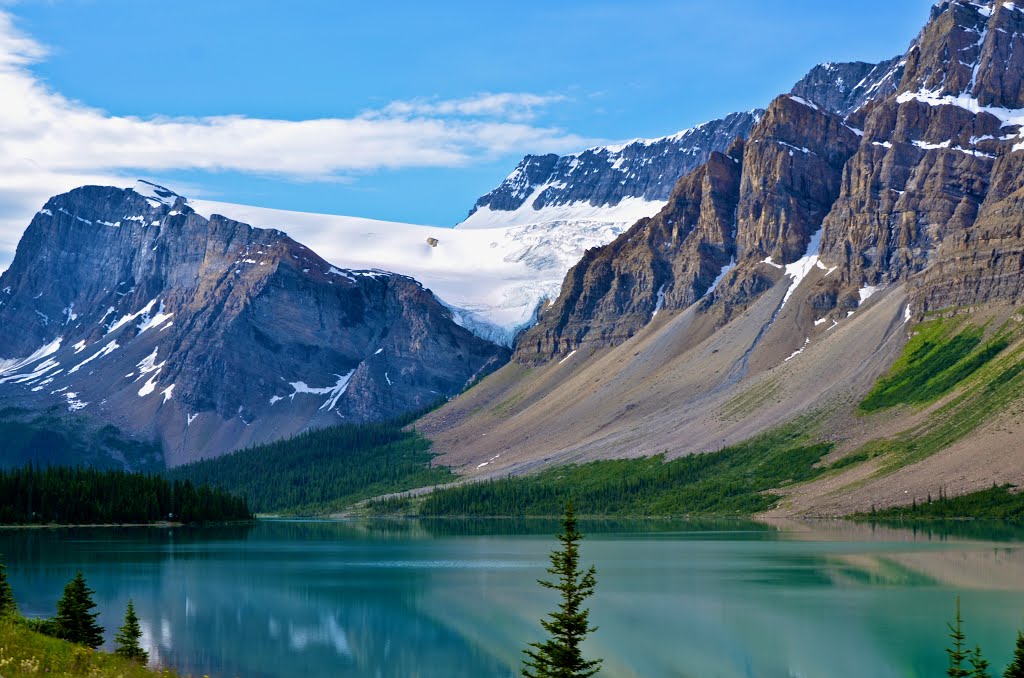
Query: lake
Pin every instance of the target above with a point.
(449, 599)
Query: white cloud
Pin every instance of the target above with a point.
(516, 106)
(49, 144)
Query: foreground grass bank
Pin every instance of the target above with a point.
(24, 652)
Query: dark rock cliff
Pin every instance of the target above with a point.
(210, 333)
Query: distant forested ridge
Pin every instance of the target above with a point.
(323, 470)
(79, 496)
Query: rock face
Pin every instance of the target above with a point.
(844, 87)
(645, 169)
(128, 306)
(908, 170)
(765, 199)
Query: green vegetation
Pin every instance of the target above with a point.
(88, 496)
(56, 438)
(24, 652)
(989, 378)
(934, 361)
(129, 635)
(560, 655)
(75, 621)
(64, 645)
(996, 503)
(1016, 667)
(324, 470)
(733, 481)
(7, 605)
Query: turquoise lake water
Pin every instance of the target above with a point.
(449, 599)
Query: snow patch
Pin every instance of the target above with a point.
(333, 393)
(571, 354)
(11, 365)
(867, 292)
(168, 392)
(798, 351)
(106, 350)
(124, 320)
(803, 266)
(74, 404)
(661, 301)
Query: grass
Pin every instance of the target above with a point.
(734, 481)
(936, 360)
(24, 652)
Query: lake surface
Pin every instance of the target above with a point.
(449, 599)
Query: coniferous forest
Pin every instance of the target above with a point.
(63, 495)
(323, 470)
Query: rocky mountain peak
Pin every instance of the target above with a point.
(127, 306)
(844, 87)
(972, 49)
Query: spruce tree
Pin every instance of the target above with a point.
(128, 636)
(74, 621)
(1016, 667)
(560, 656)
(979, 665)
(957, 656)
(7, 604)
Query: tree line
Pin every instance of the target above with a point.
(64, 495)
(322, 470)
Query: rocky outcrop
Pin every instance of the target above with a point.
(606, 175)
(211, 334)
(842, 88)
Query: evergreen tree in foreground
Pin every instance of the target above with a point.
(979, 665)
(7, 604)
(957, 655)
(560, 655)
(128, 636)
(1016, 667)
(74, 621)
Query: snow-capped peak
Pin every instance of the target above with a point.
(155, 194)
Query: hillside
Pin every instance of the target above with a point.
(784, 278)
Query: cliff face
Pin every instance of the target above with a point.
(870, 173)
(645, 169)
(764, 200)
(210, 334)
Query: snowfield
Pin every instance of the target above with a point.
(493, 270)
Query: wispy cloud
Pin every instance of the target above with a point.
(49, 143)
(514, 106)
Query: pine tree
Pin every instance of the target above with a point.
(957, 656)
(1016, 667)
(560, 656)
(7, 604)
(74, 621)
(979, 665)
(128, 636)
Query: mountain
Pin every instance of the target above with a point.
(865, 238)
(127, 306)
(631, 179)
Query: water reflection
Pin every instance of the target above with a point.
(458, 598)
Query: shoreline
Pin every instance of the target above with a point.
(160, 524)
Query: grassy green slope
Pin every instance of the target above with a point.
(26, 653)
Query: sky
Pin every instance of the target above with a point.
(401, 111)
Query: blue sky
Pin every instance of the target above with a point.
(580, 72)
